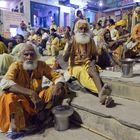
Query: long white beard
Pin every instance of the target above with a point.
(30, 65)
(82, 38)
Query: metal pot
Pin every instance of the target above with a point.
(61, 116)
(127, 67)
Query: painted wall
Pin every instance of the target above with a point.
(90, 16)
(63, 9)
(8, 5)
(81, 3)
(7, 18)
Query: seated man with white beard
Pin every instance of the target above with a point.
(22, 95)
(81, 53)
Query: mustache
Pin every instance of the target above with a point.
(29, 65)
(29, 62)
(84, 34)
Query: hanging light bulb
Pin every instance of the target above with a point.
(100, 3)
(136, 0)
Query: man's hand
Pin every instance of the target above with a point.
(37, 101)
(58, 93)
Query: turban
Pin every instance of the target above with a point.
(137, 9)
(81, 23)
(121, 23)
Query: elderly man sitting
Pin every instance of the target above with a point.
(81, 52)
(22, 95)
(133, 45)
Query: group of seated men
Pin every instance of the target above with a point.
(22, 96)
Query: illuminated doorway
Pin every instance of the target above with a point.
(42, 15)
(66, 19)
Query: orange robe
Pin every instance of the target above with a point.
(135, 35)
(19, 104)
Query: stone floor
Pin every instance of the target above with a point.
(129, 110)
(74, 133)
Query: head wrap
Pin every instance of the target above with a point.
(121, 23)
(137, 9)
(81, 23)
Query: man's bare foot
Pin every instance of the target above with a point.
(109, 101)
(104, 95)
(106, 90)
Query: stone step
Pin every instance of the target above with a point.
(128, 88)
(74, 133)
(121, 122)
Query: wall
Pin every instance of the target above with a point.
(8, 5)
(63, 9)
(90, 15)
(112, 13)
(4, 5)
(7, 18)
(81, 3)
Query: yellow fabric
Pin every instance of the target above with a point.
(20, 106)
(117, 53)
(9, 101)
(19, 75)
(16, 50)
(55, 42)
(38, 39)
(121, 23)
(135, 35)
(51, 61)
(135, 17)
(80, 72)
(32, 37)
(62, 43)
(80, 59)
(53, 48)
(5, 61)
(81, 23)
(3, 48)
(136, 32)
(114, 33)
